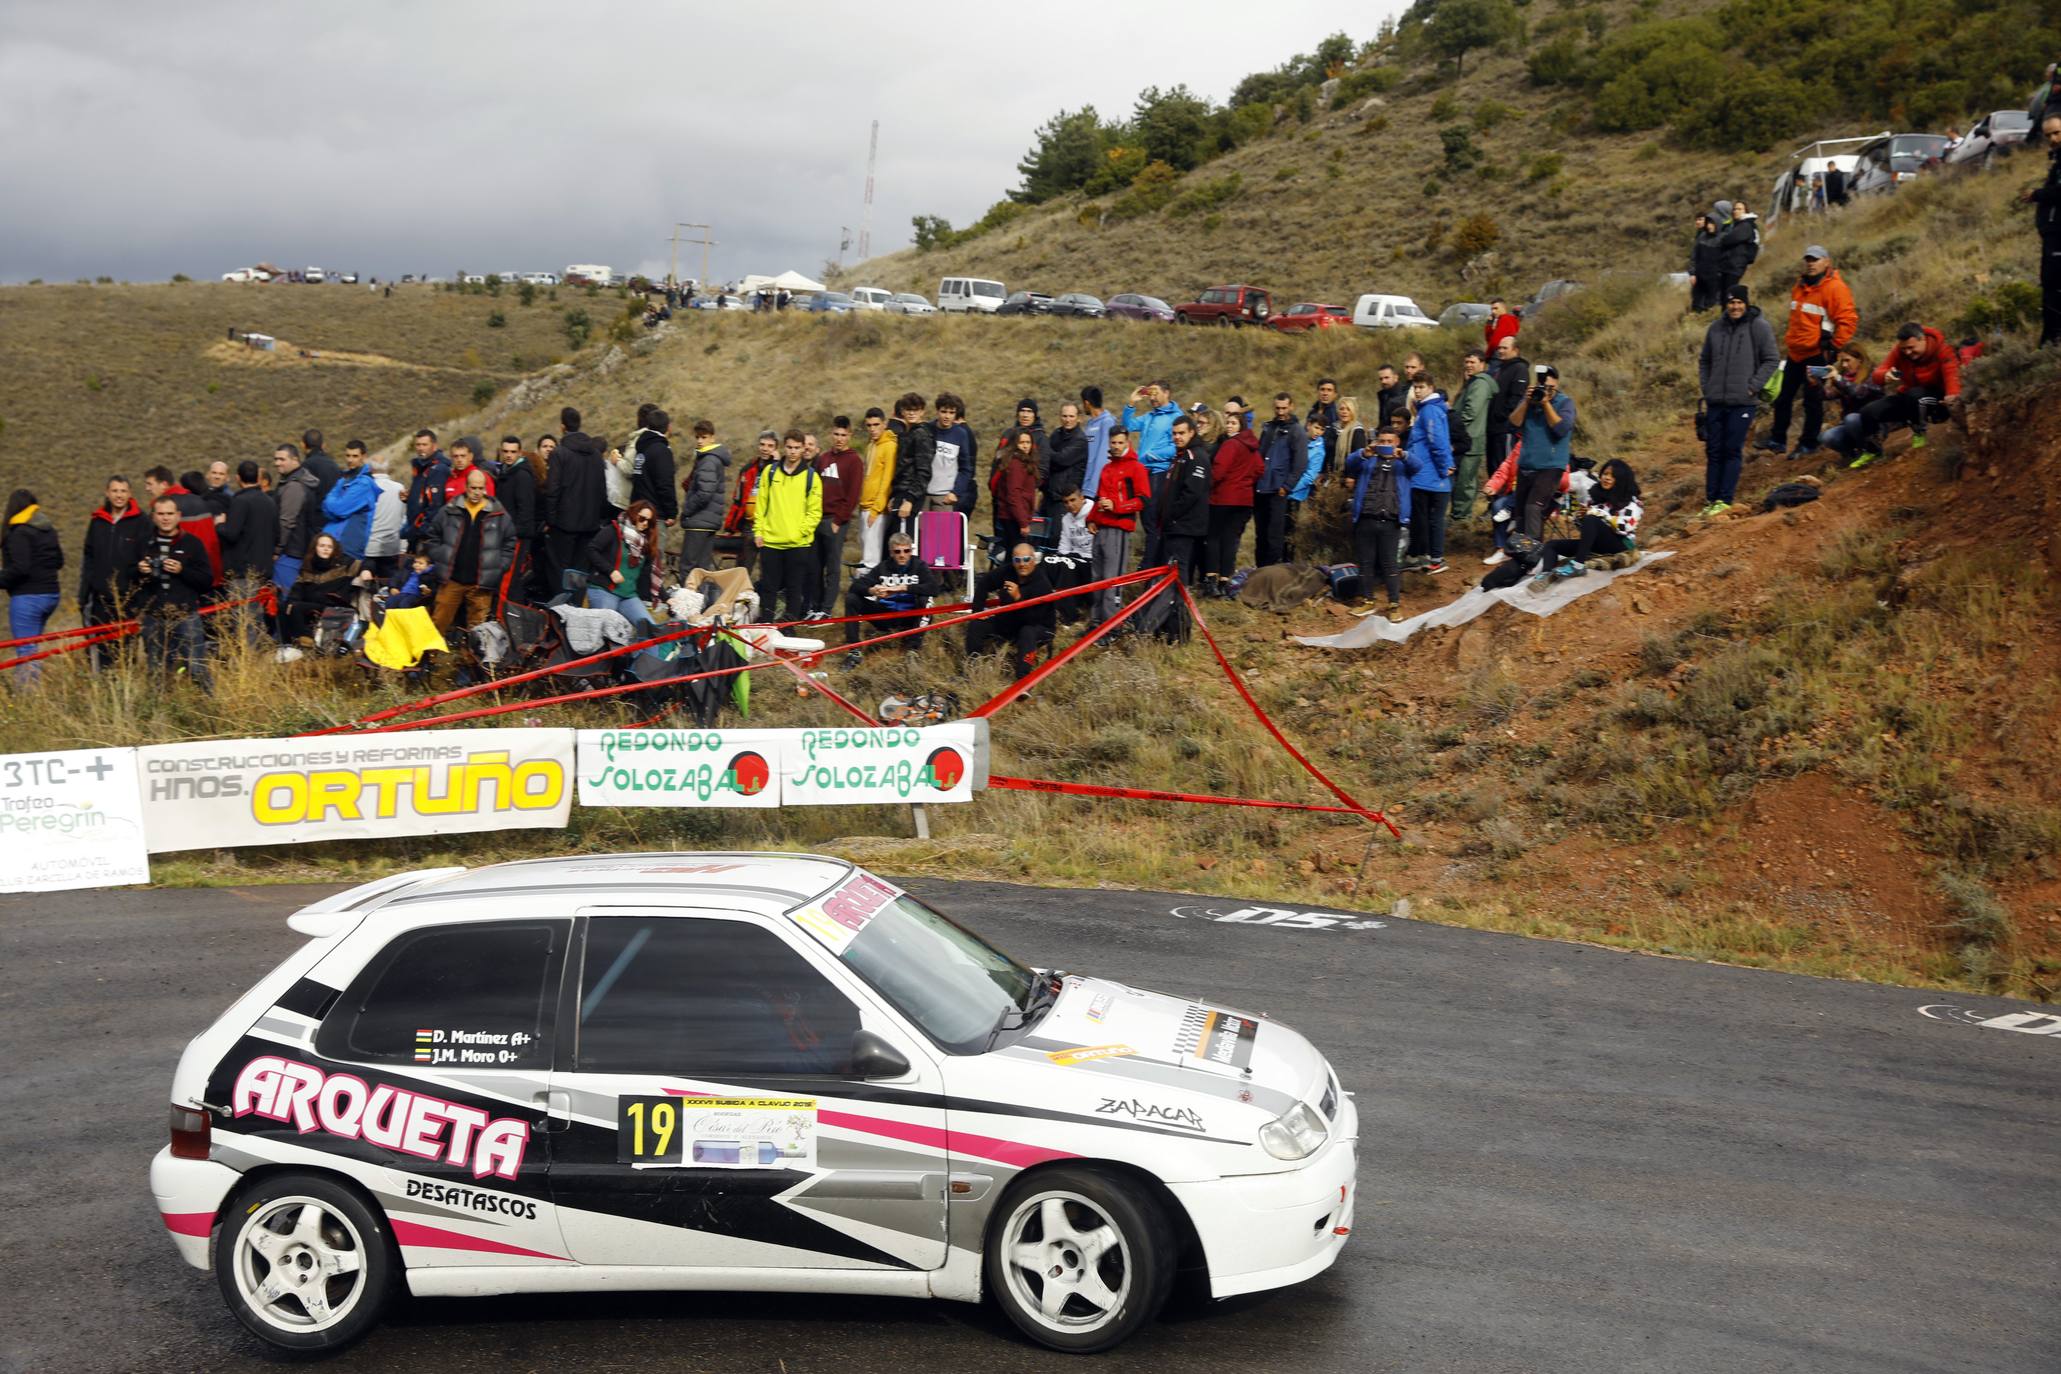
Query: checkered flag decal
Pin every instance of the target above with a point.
(1194, 1021)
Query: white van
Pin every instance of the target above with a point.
(871, 297)
(1792, 194)
(971, 293)
(589, 274)
(1373, 311)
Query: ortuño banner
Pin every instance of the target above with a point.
(222, 793)
(796, 767)
(70, 819)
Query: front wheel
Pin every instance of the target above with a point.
(304, 1264)
(1080, 1261)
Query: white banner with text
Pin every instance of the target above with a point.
(804, 767)
(70, 818)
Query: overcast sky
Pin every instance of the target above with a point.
(142, 139)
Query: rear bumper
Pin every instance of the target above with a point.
(1271, 1230)
(189, 1194)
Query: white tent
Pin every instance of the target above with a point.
(790, 280)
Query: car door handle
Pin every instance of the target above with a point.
(556, 1104)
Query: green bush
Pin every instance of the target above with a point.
(1544, 167)
(1204, 197)
(1354, 87)
(1557, 63)
(496, 320)
(1459, 148)
(483, 392)
(1151, 190)
(1490, 113)
(578, 328)
(1475, 236)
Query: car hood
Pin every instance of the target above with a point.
(1198, 1045)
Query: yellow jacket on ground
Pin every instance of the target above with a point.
(789, 506)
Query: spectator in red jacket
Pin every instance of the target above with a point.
(1233, 474)
(1502, 324)
(1014, 485)
(464, 454)
(844, 475)
(1120, 493)
(1926, 373)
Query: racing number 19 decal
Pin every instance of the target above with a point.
(647, 1130)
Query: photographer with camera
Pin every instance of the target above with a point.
(1739, 355)
(165, 586)
(1544, 422)
(1822, 320)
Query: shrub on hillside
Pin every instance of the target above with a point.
(1459, 148)
(1204, 197)
(1475, 236)
(1150, 191)
(1354, 87)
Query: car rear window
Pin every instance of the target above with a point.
(705, 998)
(477, 995)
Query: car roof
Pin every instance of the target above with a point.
(767, 881)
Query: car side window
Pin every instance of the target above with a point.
(705, 998)
(479, 995)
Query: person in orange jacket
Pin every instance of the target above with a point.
(1822, 320)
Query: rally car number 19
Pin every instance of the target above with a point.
(731, 1071)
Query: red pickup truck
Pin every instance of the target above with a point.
(1227, 305)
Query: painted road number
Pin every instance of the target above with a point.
(1282, 918)
(647, 1130)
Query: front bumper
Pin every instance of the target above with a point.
(189, 1193)
(1270, 1230)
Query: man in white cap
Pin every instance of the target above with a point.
(1822, 319)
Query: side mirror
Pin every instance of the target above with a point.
(873, 1057)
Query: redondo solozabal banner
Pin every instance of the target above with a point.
(798, 767)
(70, 819)
(222, 793)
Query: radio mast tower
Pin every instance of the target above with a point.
(866, 217)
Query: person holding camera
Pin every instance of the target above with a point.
(1544, 421)
(165, 586)
(1739, 355)
(1926, 373)
(1822, 320)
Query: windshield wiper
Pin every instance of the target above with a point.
(1040, 996)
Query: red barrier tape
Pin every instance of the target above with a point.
(1051, 665)
(91, 636)
(1089, 789)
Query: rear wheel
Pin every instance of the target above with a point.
(1080, 1261)
(304, 1264)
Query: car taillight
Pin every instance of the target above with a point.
(189, 1133)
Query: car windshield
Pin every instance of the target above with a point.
(949, 981)
(835, 298)
(1911, 151)
(2004, 121)
(1153, 303)
(1409, 312)
(910, 298)
(987, 288)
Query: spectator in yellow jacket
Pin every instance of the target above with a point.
(788, 507)
(880, 481)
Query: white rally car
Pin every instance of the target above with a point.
(731, 1072)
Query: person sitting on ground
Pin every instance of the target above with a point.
(1379, 512)
(1013, 484)
(1609, 525)
(899, 582)
(1501, 491)
(1027, 631)
(323, 585)
(1849, 387)
(1233, 475)
(1926, 372)
(622, 565)
(413, 585)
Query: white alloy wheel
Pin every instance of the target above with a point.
(299, 1265)
(1080, 1260)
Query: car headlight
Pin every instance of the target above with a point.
(1295, 1134)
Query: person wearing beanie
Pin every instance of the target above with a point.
(1739, 355)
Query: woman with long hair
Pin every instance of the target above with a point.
(1233, 473)
(1609, 525)
(325, 583)
(30, 559)
(622, 565)
(1352, 435)
(1014, 484)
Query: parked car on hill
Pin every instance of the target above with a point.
(1228, 305)
(1304, 316)
(1894, 159)
(1551, 291)
(1792, 194)
(956, 294)
(1080, 305)
(871, 297)
(831, 303)
(1376, 311)
(1464, 315)
(909, 303)
(1131, 306)
(246, 274)
(1025, 303)
(1993, 136)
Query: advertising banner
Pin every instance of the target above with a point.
(70, 819)
(697, 768)
(221, 793)
(858, 765)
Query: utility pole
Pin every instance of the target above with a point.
(866, 215)
(673, 275)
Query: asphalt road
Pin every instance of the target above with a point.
(1572, 1159)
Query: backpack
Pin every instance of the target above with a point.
(1165, 617)
(1381, 499)
(1346, 582)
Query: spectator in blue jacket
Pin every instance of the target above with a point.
(1428, 462)
(347, 510)
(1281, 455)
(1096, 423)
(1152, 440)
(1379, 512)
(952, 462)
(1544, 420)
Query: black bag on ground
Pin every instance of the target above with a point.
(1166, 617)
(1789, 494)
(1346, 582)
